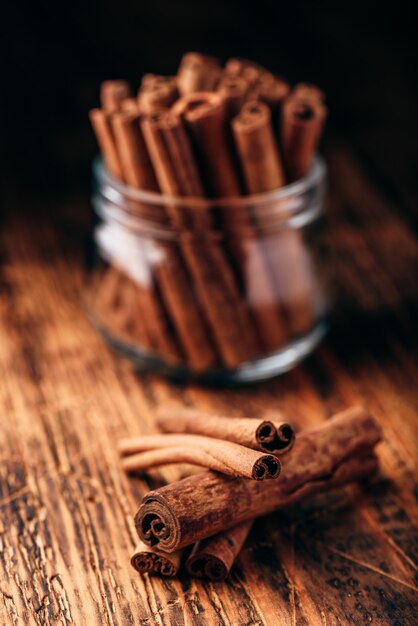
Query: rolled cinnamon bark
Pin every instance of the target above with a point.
(156, 93)
(214, 557)
(129, 104)
(177, 174)
(245, 68)
(101, 122)
(137, 168)
(267, 436)
(301, 126)
(233, 91)
(113, 93)
(288, 259)
(336, 453)
(270, 89)
(205, 117)
(145, 560)
(217, 454)
(198, 72)
(257, 148)
(143, 304)
(308, 91)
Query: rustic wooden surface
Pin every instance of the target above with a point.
(66, 511)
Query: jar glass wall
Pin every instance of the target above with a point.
(226, 290)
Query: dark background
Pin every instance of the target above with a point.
(54, 55)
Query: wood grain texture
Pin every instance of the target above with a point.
(66, 509)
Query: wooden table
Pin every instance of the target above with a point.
(66, 523)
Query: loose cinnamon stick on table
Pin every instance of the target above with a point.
(214, 557)
(177, 174)
(223, 456)
(205, 117)
(146, 560)
(267, 436)
(302, 119)
(113, 93)
(336, 453)
(198, 72)
(288, 259)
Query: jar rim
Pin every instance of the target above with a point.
(296, 188)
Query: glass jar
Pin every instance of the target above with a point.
(226, 290)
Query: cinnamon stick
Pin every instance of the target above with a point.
(136, 165)
(257, 148)
(146, 560)
(148, 319)
(157, 92)
(198, 72)
(214, 557)
(336, 453)
(270, 89)
(233, 91)
(267, 436)
(101, 122)
(205, 117)
(245, 68)
(113, 93)
(177, 174)
(301, 125)
(286, 253)
(217, 454)
(308, 91)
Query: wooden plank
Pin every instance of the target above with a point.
(66, 525)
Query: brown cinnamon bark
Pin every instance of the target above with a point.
(148, 319)
(214, 557)
(136, 164)
(270, 89)
(301, 126)
(130, 104)
(101, 122)
(145, 560)
(308, 91)
(113, 93)
(245, 68)
(233, 91)
(267, 436)
(285, 251)
(157, 92)
(177, 174)
(223, 456)
(198, 72)
(257, 148)
(205, 117)
(336, 453)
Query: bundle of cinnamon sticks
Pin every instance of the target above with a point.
(221, 286)
(202, 521)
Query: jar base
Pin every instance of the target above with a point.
(260, 369)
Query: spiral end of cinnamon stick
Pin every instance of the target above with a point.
(276, 440)
(156, 525)
(198, 105)
(206, 566)
(253, 115)
(151, 563)
(267, 466)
